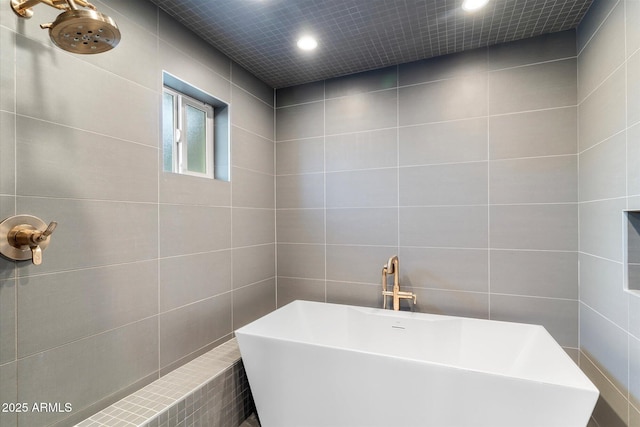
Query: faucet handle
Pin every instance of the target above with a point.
(36, 255)
(46, 233)
(24, 237)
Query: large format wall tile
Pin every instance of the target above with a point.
(301, 94)
(547, 47)
(602, 114)
(454, 99)
(608, 65)
(300, 191)
(92, 233)
(56, 309)
(447, 142)
(300, 121)
(549, 274)
(193, 229)
(253, 264)
(251, 114)
(445, 269)
(7, 321)
(534, 180)
(601, 228)
(191, 278)
(446, 227)
(558, 316)
(291, 289)
(362, 226)
(606, 344)
(253, 301)
(252, 189)
(136, 249)
(353, 84)
(633, 90)
(443, 67)
(7, 70)
(363, 150)
(300, 156)
(535, 133)
(252, 151)
(79, 359)
(470, 174)
(100, 167)
(450, 184)
(453, 303)
(361, 294)
(546, 226)
(368, 188)
(187, 329)
(300, 226)
(357, 263)
(604, 53)
(252, 227)
(301, 260)
(7, 153)
(8, 393)
(602, 288)
(126, 109)
(533, 87)
(7, 209)
(363, 112)
(602, 170)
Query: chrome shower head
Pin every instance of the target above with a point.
(84, 31)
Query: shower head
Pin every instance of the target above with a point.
(84, 31)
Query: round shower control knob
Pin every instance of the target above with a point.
(24, 237)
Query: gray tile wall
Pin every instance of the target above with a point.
(465, 165)
(146, 270)
(609, 161)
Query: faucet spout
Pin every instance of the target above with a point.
(393, 267)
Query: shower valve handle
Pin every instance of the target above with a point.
(24, 237)
(27, 235)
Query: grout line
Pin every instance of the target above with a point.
(602, 83)
(422, 165)
(16, 272)
(480, 117)
(89, 131)
(625, 284)
(159, 172)
(398, 234)
(604, 141)
(605, 317)
(231, 208)
(598, 28)
(488, 196)
(275, 197)
(324, 179)
(604, 376)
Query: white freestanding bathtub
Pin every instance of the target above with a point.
(317, 364)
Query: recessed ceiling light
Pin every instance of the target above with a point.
(471, 5)
(307, 43)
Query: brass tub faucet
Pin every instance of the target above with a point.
(393, 267)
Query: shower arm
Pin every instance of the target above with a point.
(23, 7)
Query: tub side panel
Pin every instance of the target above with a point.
(297, 384)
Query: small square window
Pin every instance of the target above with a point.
(194, 131)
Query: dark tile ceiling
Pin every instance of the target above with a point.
(360, 35)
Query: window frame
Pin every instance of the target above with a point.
(180, 143)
